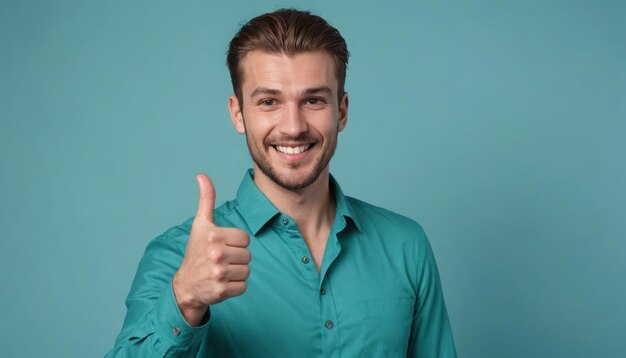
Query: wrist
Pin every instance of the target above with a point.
(191, 309)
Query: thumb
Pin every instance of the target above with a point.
(206, 198)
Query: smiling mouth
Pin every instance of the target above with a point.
(293, 150)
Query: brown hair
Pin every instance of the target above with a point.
(287, 31)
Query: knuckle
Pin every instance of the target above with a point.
(219, 273)
(220, 291)
(212, 237)
(216, 254)
(246, 271)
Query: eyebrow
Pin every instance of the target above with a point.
(264, 90)
(316, 90)
(274, 92)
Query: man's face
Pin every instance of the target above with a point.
(291, 115)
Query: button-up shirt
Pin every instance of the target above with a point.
(376, 294)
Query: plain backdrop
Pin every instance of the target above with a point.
(498, 125)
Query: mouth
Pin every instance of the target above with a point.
(292, 150)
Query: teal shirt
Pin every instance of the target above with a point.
(377, 293)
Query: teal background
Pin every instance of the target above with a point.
(498, 125)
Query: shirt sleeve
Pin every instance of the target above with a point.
(431, 334)
(154, 325)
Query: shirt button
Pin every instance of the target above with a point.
(322, 291)
(305, 260)
(285, 221)
(329, 324)
(176, 331)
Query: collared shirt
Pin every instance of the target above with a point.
(377, 293)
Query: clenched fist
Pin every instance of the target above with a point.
(215, 265)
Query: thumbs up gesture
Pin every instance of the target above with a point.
(215, 265)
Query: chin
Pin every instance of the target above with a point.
(290, 178)
(294, 181)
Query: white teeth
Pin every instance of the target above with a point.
(292, 150)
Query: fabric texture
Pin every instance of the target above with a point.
(377, 293)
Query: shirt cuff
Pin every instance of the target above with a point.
(171, 324)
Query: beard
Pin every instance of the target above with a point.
(291, 182)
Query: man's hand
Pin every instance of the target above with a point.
(215, 265)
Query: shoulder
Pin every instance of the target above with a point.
(380, 226)
(176, 236)
(383, 219)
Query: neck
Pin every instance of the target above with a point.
(313, 208)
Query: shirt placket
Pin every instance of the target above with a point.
(320, 285)
(328, 311)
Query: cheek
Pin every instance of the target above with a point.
(264, 118)
(259, 138)
(331, 130)
(257, 124)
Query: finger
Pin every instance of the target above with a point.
(236, 288)
(236, 237)
(238, 272)
(237, 255)
(206, 198)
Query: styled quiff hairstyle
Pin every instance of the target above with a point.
(287, 31)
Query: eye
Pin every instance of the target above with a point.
(315, 101)
(267, 102)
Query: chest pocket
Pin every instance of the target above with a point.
(388, 323)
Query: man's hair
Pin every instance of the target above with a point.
(287, 31)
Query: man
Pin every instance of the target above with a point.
(291, 267)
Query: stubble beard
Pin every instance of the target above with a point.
(266, 167)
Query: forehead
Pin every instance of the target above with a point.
(288, 73)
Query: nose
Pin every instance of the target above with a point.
(293, 122)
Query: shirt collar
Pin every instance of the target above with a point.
(256, 209)
(344, 209)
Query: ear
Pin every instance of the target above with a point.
(343, 112)
(236, 114)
